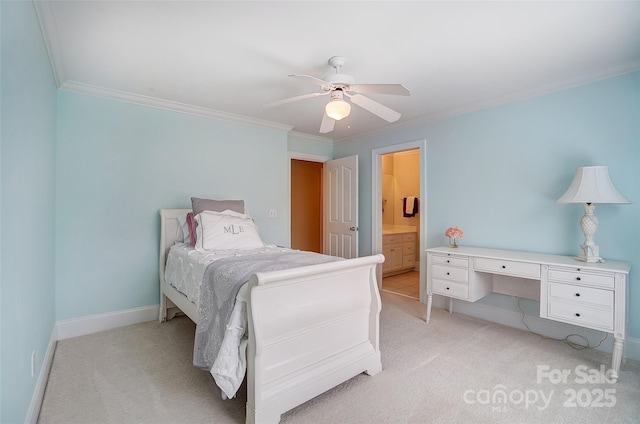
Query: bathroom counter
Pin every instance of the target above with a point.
(388, 229)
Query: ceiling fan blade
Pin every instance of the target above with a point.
(393, 89)
(314, 80)
(374, 107)
(327, 124)
(294, 99)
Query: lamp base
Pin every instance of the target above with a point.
(589, 253)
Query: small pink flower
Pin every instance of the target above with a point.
(454, 232)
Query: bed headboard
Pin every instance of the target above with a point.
(168, 230)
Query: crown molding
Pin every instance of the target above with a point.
(583, 79)
(311, 137)
(123, 96)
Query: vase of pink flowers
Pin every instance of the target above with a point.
(454, 233)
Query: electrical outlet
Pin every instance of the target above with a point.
(273, 213)
(33, 363)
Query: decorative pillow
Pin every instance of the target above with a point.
(199, 205)
(225, 231)
(191, 225)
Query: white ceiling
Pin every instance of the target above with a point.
(227, 59)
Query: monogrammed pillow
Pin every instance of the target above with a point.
(225, 230)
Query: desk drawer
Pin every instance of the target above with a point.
(579, 277)
(447, 288)
(451, 260)
(450, 273)
(517, 269)
(570, 292)
(579, 314)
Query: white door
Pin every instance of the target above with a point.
(341, 207)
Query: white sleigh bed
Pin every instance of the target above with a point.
(310, 328)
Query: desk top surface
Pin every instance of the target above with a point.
(531, 257)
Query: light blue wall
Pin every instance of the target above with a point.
(497, 173)
(27, 206)
(119, 163)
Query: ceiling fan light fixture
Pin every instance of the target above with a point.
(337, 108)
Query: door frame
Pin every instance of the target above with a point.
(376, 196)
(310, 158)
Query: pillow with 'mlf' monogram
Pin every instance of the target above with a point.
(225, 230)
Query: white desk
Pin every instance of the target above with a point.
(590, 295)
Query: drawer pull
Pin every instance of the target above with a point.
(448, 261)
(578, 294)
(578, 278)
(577, 314)
(448, 273)
(447, 288)
(504, 267)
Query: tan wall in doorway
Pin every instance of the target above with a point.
(306, 205)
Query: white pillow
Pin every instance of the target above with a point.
(225, 230)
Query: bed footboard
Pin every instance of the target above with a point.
(311, 328)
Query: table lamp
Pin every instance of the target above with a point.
(591, 185)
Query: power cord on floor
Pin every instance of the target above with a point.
(574, 345)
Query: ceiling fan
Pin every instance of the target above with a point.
(337, 86)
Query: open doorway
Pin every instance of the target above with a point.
(399, 216)
(306, 205)
(401, 223)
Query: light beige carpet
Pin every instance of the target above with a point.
(453, 370)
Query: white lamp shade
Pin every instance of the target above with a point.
(338, 109)
(592, 184)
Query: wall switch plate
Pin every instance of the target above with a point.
(273, 213)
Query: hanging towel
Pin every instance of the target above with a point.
(410, 206)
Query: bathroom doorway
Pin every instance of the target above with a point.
(399, 217)
(401, 223)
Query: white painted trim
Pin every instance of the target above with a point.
(43, 379)
(95, 323)
(376, 195)
(81, 88)
(311, 137)
(308, 157)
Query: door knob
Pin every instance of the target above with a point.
(353, 228)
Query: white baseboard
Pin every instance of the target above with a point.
(95, 323)
(539, 325)
(43, 378)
